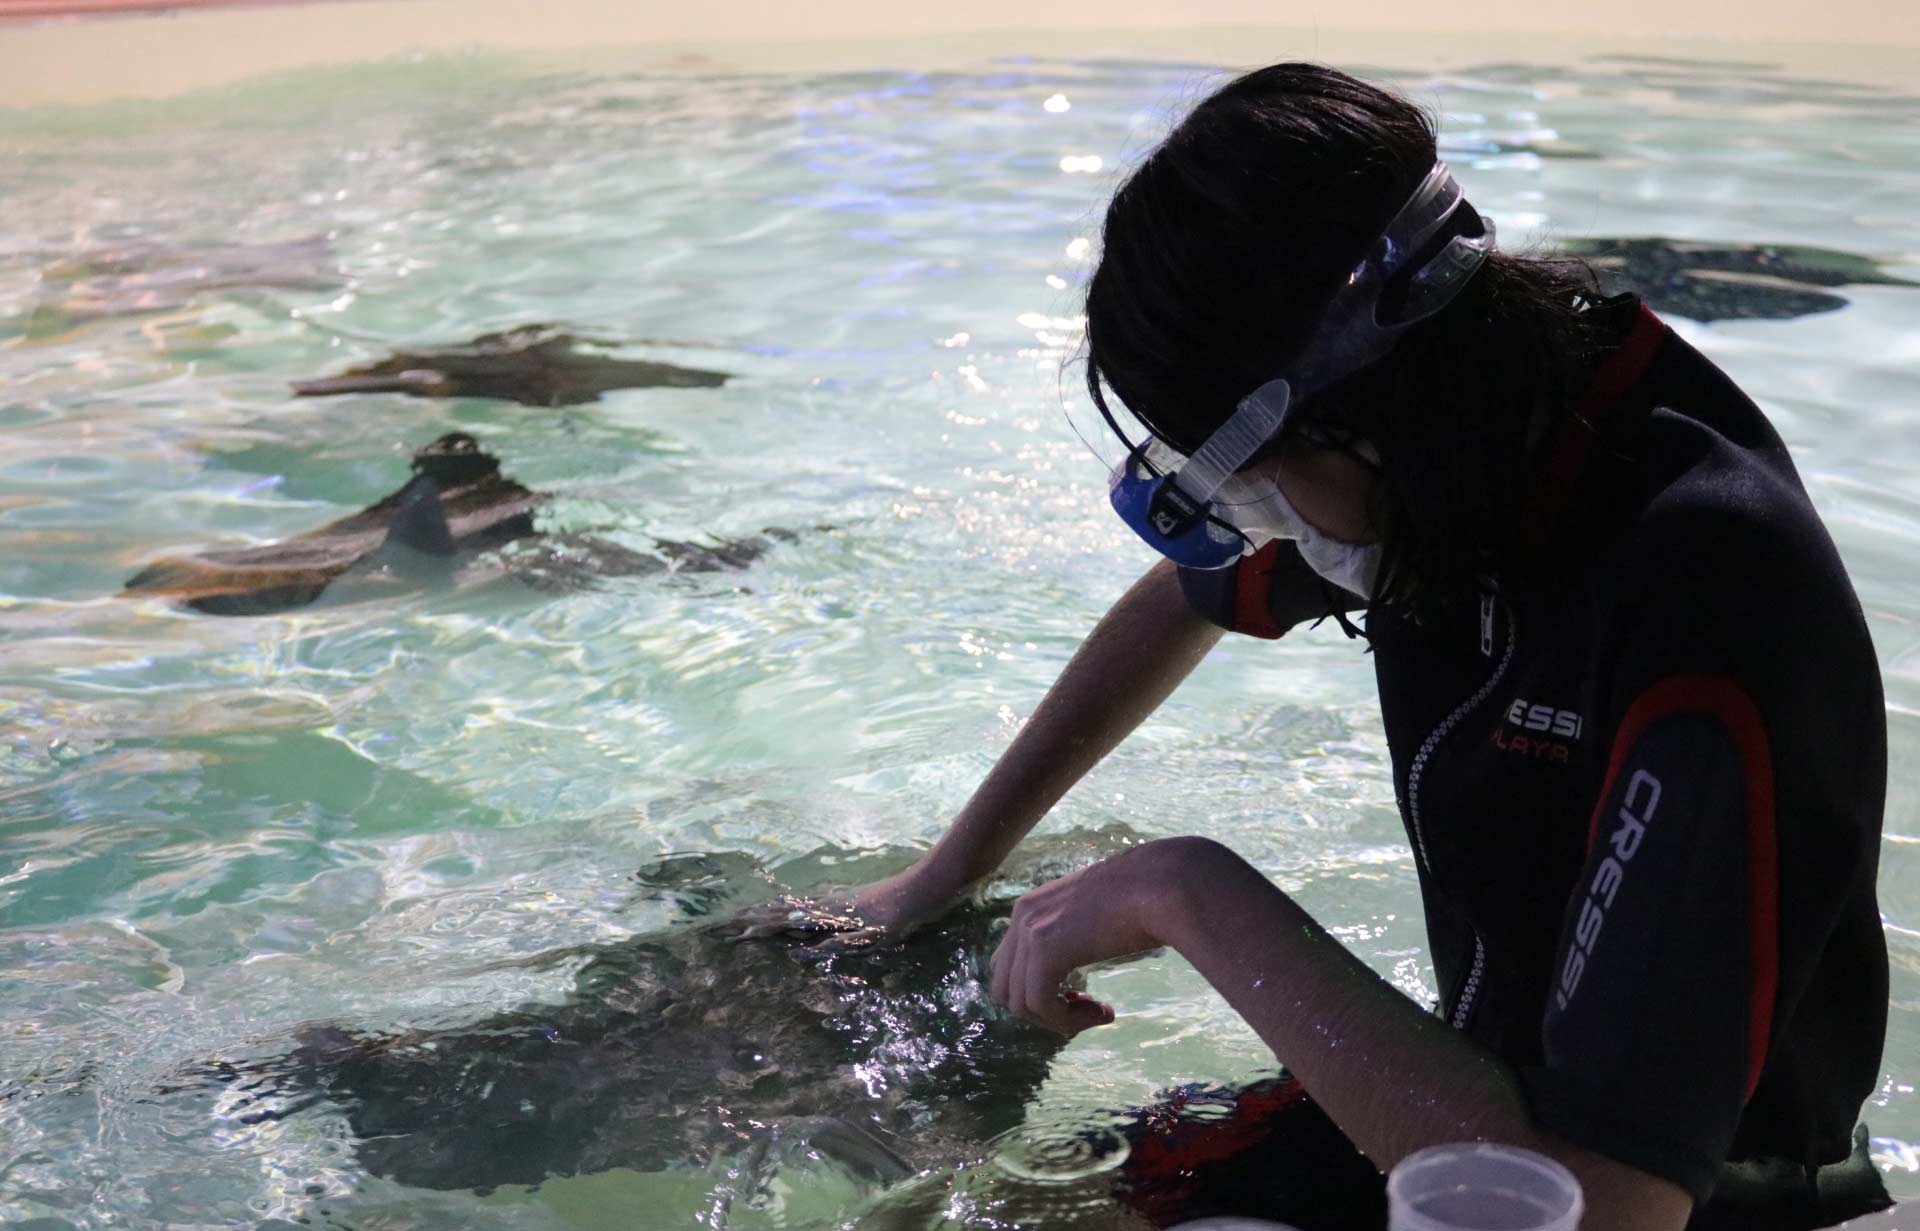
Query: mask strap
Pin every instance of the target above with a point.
(1255, 421)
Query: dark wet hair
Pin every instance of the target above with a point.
(1220, 252)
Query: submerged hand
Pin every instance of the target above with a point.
(846, 920)
(1108, 910)
(794, 918)
(905, 900)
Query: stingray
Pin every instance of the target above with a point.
(735, 1043)
(458, 519)
(140, 278)
(537, 365)
(1712, 282)
(715, 1040)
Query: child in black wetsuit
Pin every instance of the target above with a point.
(1634, 715)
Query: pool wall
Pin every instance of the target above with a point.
(145, 54)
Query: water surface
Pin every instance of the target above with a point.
(213, 830)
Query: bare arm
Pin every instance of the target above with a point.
(1394, 1077)
(1139, 652)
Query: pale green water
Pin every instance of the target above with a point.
(211, 830)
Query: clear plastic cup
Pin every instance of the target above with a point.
(1474, 1186)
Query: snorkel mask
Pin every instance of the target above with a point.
(1170, 500)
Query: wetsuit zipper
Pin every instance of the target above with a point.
(1463, 1006)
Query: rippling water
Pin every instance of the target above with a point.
(213, 830)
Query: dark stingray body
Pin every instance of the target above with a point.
(563, 563)
(455, 508)
(1708, 282)
(537, 365)
(456, 502)
(682, 1046)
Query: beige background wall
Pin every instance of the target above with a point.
(144, 56)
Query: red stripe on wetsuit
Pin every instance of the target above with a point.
(1173, 1144)
(1722, 698)
(1251, 585)
(1582, 429)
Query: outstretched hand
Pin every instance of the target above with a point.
(1105, 911)
(842, 922)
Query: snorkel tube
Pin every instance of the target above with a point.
(1169, 500)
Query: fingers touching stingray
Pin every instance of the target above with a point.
(537, 365)
(443, 524)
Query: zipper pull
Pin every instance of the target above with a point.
(1486, 625)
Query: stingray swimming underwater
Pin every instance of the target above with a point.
(736, 1046)
(1716, 282)
(537, 365)
(449, 522)
(706, 1041)
(143, 278)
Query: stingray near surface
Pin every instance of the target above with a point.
(457, 519)
(708, 1041)
(735, 1048)
(1716, 282)
(537, 365)
(138, 278)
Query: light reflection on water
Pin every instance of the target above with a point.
(213, 830)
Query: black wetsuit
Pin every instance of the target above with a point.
(1642, 772)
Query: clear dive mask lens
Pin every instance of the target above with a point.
(1173, 505)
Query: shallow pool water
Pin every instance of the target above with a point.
(213, 830)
